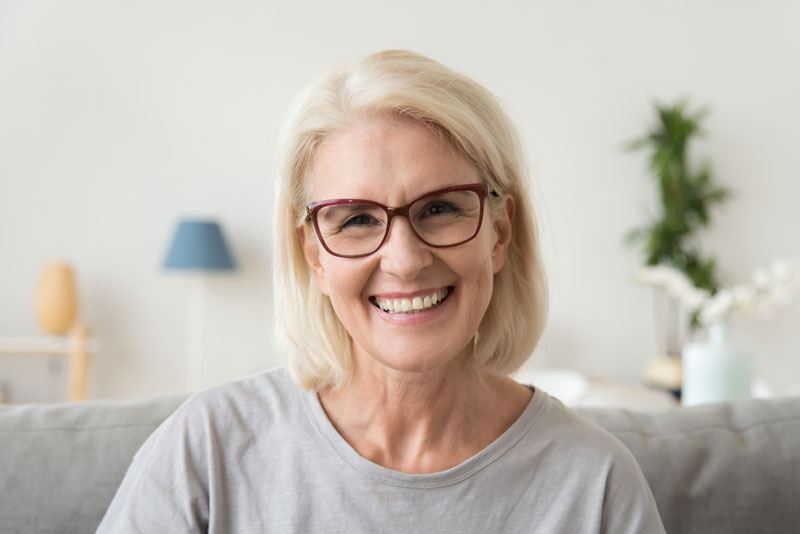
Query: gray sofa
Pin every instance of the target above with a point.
(728, 468)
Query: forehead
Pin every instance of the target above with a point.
(386, 159)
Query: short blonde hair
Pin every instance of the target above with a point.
(469, 117)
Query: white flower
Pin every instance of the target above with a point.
(693, 298)
(717, 308)
(781, 271)
(761, 278)
(768, 288)
(674, 283)
(743, 296)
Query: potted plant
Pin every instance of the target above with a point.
(719, 369)
(687, 195)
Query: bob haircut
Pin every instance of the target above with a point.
(466, 116)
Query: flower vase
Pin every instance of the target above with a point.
(57, 299)
(717, 370)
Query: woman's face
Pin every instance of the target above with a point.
(393, 161)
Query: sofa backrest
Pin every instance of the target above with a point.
(60, 464)
(732, 468)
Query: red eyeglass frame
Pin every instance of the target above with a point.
(312, 209)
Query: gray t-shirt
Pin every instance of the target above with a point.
(260, 455)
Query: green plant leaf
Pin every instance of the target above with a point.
(687, 195)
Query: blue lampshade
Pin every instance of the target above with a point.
(199, 245)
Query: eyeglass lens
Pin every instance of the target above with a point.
(439, 220)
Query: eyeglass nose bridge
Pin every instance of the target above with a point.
(402, 211)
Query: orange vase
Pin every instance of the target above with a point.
(57, 299)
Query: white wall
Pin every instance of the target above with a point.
(116, 118)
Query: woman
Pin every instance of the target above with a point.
(408, 284)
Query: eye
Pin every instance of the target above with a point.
(439, 208)
(358, 221)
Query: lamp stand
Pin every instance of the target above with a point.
(194, 374)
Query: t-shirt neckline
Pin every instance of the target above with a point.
(449, 476)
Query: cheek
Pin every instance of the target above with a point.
(345, 281)
(482, 285)
(486, 283)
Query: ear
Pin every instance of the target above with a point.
(311, 252)
(502, 229)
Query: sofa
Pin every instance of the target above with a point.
(727, 468)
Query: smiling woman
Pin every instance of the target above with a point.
(408, 284)
(455, 117)
(395, 160)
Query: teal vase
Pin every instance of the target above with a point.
(716, 371)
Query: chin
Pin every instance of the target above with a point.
(422, 362)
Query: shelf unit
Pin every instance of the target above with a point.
(77, 346)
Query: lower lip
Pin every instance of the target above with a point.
(414, 318)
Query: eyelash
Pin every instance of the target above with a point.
(351, 219)
(440, 205)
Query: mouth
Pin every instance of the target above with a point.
(416, 304)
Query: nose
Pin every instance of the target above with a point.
(403, 254)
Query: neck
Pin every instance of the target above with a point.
(424, 421)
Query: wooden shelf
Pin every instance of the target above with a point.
(76, 346)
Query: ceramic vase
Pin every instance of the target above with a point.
(56, 299)
(717, 370)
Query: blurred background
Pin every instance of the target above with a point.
(120, 119)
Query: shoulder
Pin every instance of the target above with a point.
(266, 391)
(232, 411)
(587, 456)
(171, 483)
(576, 433)
(589, 474)
(574, 448)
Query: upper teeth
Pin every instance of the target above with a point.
(420, 302)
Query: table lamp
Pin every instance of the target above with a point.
(198, 247)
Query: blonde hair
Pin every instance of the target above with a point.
(469, 117)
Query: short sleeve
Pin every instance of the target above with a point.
(166, 486)
(628, 505)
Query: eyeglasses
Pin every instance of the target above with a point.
(352, 228)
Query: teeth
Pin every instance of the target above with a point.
(412, 305)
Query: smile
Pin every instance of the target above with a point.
(415, 304)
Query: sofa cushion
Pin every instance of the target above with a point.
(728, 468)
(62, 463)
(720, 468)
